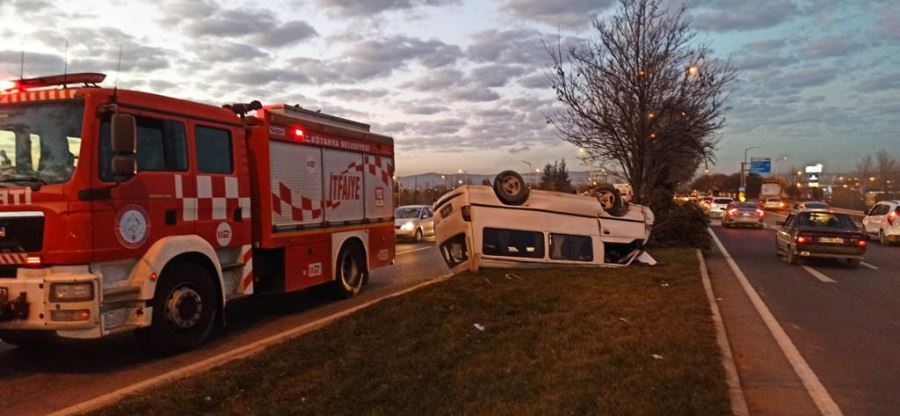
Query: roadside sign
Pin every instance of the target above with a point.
(761, 165)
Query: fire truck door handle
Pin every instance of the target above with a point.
(171, 217)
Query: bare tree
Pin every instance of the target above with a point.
(886, 166)
(865, 168)
(643, 96)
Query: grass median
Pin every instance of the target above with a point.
(636, 340)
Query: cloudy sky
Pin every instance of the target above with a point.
(461, 84)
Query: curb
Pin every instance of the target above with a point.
(235, 354)
(735, 390)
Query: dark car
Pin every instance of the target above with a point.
(821, 234)
(743, 213)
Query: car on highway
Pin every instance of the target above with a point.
(508, 225)
(808, 205)
(820, 234)
(718, 205)
(883, 222)
(743, 213)
(413, 222)
(773, 203)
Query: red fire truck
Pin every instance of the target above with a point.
(123, 210)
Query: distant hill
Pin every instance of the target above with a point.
(431, 179)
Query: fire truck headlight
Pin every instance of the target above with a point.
(71, 292)
(407, 226)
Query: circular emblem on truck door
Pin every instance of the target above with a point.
(223, 234)
(132, 226)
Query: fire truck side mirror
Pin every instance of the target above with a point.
(123, 145)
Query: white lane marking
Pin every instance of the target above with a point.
(818, 275)
(228, 356)
(735, 390)
(400, 253)
(814, 387)
(871, 266)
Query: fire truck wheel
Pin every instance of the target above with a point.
(27, 339)
(351, 272)
(510, 188)
(184, 310)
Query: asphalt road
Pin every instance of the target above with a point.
(845, 322)
(39, 381)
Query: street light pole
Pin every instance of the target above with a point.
(529, 171)
(743, 166)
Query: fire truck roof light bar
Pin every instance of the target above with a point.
(89, 79)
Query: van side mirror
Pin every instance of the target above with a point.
(123, 145)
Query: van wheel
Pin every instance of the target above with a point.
(419, 235)
(882, 239)
(510, 188)
(26, 338)
(350, 273)
(610, 200)
(184, 310)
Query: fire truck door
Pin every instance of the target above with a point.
(144, 208)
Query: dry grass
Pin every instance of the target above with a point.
(560, 341)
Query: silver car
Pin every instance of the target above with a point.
(413, 222)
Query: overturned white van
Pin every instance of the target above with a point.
(508, 225)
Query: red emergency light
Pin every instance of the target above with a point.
(86, 78)
(298, 133)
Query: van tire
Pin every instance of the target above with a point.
(420, 235)
(350, 272)
(610, 199)
(510, 188)
(175, 331)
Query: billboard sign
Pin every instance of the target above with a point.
(817, 168)
(761, 165)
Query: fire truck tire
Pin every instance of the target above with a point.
(510, 188)
(27, 339)
(350, 272)
(184, 310)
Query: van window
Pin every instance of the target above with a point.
(571, 247)
(513, 243)
(213, 150)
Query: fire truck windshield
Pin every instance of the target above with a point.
(39, 142)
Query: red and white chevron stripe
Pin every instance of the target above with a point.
(12, 258)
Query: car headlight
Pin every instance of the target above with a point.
(408, 226)
(71, 292)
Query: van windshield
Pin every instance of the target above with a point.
(40, 142)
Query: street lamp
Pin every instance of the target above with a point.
(466, 175)
(743, 170)
(529, 170)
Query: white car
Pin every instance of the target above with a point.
(883, 222)
(511, 226)
(773, 204)
(718, 206)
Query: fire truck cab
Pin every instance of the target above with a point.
(123, 210)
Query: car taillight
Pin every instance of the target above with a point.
(466, 212)
(760, 213)
(861, 243)
(732, 212)
(803, 239)
(892, 217)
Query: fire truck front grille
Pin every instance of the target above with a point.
(21, 234)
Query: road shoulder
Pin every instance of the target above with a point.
(769, 383)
